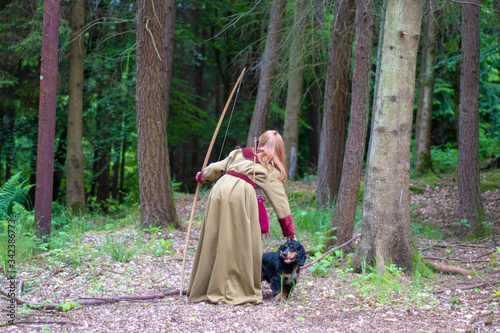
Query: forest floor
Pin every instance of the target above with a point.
(336, 300)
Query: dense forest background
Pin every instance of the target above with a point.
(214, 41)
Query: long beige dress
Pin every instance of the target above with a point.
(227, 264)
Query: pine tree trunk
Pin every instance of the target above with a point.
(471, 206)
(59, 159)
(102, 172)
(422, 148)
(47, 119)
(331, 152)
(115, 171)
(345, 207)
(315, 90)
(155, 27)
(75, 189)
(268, 67)
(8, 120)
(496, 5)
(122, 169)
(386, 231)
(456, 97)
(295, 88)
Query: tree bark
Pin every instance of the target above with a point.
(295, 89)
(268, 67)
(8, 120)
(422, 148)
(496, 5)
(47, 119)
(75, 188)
(386, 231)
(115, 170)
(471, 206)
(315, 90)
(345, 207)
(122, 169)
(331, 152)
(456, 97)
(155, 27)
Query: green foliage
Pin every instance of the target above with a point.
(445, 160)
(496, 294)
(391, 284)
(489, 146)
(66, 306)
(322, 267)
(416, 190)
(428, 231)
(121, 252)
(14, 191)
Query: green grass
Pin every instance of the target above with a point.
(490, 180)
(428, 231)
(66, 233)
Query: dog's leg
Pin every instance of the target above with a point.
(276, 287)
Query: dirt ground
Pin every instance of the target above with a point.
(337, 301)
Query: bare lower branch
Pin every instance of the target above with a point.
(474, 4)
(87, 301)
(330, 251)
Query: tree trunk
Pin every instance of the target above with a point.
(102, 176)
(471, 205)
(386, 232)
(331, 151)
(155, 27)
(377, 75)
(47, 119)
(59, 159)
(345, 207)
(315, 90)
(122, 169)
(9, 145)
(295, 88)
(268, 67)
(496, 5)
(75, 188)
(115, 170)
(422, 148)
(456, 97)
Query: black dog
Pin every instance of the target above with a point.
(283, 265)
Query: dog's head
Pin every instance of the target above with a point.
(292, 252)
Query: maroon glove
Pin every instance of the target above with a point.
(199, 178)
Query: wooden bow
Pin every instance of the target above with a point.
(197, 193)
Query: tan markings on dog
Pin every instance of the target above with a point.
(278, 297)
(287, 277)
(291, 255)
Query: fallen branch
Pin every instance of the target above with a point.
(47, 322)
(87, 301)
(479, 285)
(443, 246)
(448, 268)
(330, 251)
(454, 259)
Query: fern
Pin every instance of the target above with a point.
(13, 192)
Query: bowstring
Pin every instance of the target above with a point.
(231, 116)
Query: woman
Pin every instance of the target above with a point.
(227, 265)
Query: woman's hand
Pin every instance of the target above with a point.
(199, 178)
(291, 237)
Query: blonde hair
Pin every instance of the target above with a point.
(271, 150)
